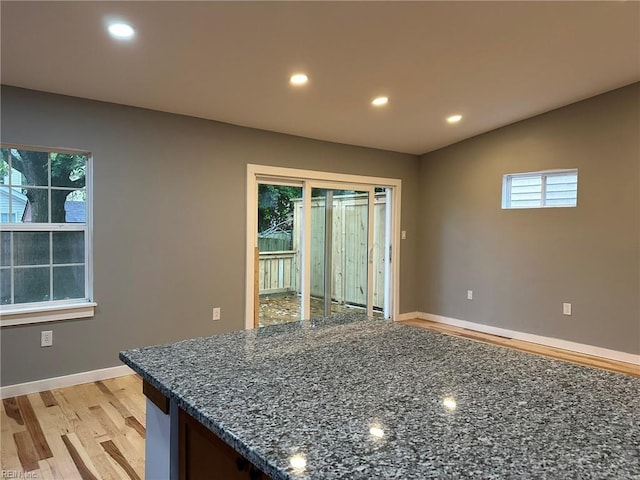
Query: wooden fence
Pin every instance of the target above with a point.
(280, 271)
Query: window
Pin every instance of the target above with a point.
(551, 188)
(45, 255)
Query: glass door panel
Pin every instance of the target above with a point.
(339, 252)
(279, 263)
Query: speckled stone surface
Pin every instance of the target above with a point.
(367, 399)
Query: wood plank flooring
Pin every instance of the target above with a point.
(95, 431)
(557, 353)
(87, 432)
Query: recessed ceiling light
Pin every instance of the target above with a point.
(379, 101)
(121, 31)
(298, 79)
(454, 118)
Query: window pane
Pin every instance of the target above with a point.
(32, 284)
(5, 249)
(68, 170)
(34, 166)
(36, 209)
(525, 196)
(559, 187)
(68, 247)
(68, 206)
(31, 248)
(529, 180)
(18, 200)
(68, 282)
(564, 178)
(560, 195)
(525, 203)
(567, 202)
(75, 206)
(562, 190)
(527, 189)
(5, 286)
(4, 167)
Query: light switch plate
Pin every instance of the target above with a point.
(566, 309)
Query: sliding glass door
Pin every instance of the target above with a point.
(319, 244)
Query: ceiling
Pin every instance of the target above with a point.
(493, 62)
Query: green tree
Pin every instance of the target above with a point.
(275, 208)
(67, 171)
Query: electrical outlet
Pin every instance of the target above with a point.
(469, 294)
(566, 309)
(46, 338)
(216, 313)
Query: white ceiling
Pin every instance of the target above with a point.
(495, 63)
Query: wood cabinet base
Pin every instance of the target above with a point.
(204, 456)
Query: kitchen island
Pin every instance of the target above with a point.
(353, 398)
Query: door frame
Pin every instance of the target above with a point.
(269, 174)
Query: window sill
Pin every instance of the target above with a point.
(46, 313)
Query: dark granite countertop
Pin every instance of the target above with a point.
(368, 399)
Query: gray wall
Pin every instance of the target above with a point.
(523, 264)
(169, 223)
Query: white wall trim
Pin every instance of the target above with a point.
(407, 316)
(64, 381)
(48, 313)
(532, 338)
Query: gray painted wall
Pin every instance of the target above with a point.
(169, 223)
(523, 264)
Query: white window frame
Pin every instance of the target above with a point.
(56, 310)
(543, 174)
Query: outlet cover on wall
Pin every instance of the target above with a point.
(566, 309)
(469, 294)
(216, 313)
(46, 338)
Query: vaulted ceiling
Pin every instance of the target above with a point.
(494, 63)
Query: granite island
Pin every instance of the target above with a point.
(353, 398)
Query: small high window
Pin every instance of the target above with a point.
(551, 188)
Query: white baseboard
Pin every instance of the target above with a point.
(64, 381)
(407, 316)
(529, 337)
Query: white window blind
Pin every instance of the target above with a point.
(553, 188)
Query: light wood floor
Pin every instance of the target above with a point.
(96, 430)
(557, 353)
(87, 432)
